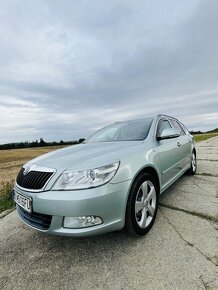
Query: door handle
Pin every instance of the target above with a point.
(178, 144)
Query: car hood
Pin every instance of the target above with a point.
(70, 156)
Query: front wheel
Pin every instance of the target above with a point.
(142, 205)
(193, 167)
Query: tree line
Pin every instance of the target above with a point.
(200, 132)
(40, 143)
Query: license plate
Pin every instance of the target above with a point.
(23, 201)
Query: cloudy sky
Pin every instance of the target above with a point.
(68, 67)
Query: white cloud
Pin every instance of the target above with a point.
(71, 66)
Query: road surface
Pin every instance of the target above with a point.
(180, 252)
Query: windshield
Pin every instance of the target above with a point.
(136, 130)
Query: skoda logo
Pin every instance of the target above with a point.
(26, 170)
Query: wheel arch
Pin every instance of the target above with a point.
(152, 171)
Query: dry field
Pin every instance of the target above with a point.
(12, 160)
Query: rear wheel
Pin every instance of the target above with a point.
(193, 167)
(142, 205)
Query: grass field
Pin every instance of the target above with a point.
(202, 137)
(12, 160)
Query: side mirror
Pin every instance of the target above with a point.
(168, 133)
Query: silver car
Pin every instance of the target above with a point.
(111, 181)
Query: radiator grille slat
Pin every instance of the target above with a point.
(34, 180)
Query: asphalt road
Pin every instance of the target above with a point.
(180, 252)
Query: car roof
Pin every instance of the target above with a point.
(147, 118)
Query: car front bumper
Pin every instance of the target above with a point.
(107, 202)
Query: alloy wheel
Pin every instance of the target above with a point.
(193, 162)
(145, 204)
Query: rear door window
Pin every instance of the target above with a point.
(184, 128)
(177, 126)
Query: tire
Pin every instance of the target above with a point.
(141, 210)
(193, 168)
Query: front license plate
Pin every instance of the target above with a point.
(23, 201)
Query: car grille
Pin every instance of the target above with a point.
(35, 180)
(36, 220)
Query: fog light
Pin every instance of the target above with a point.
(81, 221)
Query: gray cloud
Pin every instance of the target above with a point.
(69, 67)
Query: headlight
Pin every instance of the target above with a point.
(70, 179)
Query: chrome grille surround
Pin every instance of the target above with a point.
(33, 177)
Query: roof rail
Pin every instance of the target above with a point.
(163, 115)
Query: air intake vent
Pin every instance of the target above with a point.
(36, 220)
(34, 180)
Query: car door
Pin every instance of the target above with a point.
(185, 145)
(169, 154)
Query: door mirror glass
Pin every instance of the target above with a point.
(168, 133)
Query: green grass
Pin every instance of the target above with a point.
(6, 201)
(202, 137)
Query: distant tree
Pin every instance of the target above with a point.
(81, 140)
(42, 142)
(196, 132)
(21, 145)
(11, 146)
(34, 144)
(213, 131)
(37, 143)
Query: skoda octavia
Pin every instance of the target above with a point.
(111, 181)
